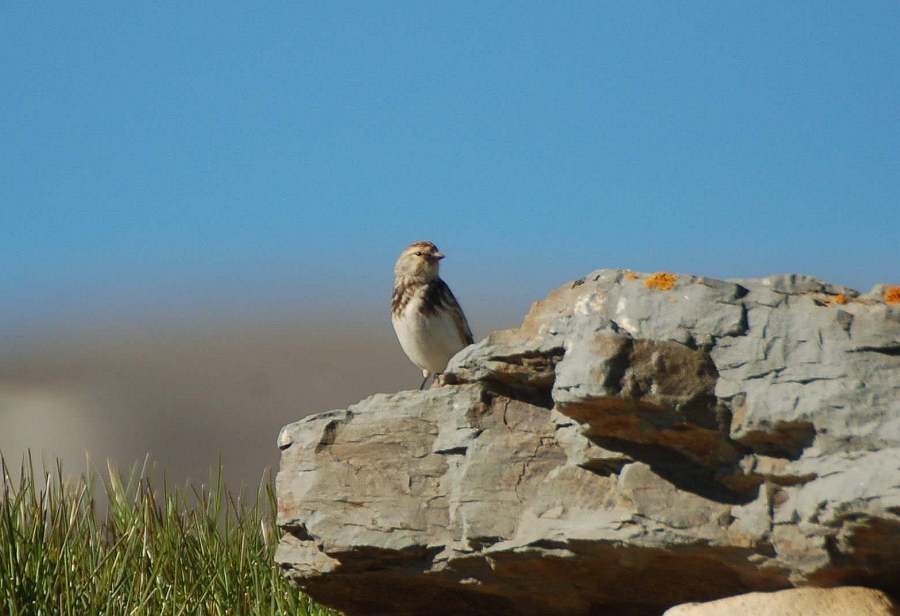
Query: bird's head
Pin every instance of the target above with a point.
(419, 261)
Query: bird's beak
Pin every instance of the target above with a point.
(437, 256)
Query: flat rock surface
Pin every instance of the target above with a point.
(841, 601)
(638, 442)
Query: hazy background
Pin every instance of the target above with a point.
(200, 207)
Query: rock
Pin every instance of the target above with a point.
(841, 601)
(639, 442)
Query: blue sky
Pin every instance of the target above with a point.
(164, 160)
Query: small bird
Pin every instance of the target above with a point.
(427, 318)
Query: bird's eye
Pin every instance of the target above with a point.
(418, 254)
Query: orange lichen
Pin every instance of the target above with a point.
(892, 295)
(840, 298)
(662, 281)
(631, 276)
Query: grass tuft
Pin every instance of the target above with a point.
(179, 552)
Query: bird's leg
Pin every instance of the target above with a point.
(425, 380)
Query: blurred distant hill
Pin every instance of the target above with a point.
(185, 395)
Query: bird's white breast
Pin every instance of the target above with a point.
(429, 340)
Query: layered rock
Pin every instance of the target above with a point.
(639, 442)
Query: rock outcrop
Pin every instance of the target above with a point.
(639, 442)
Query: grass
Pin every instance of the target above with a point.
(139, 551)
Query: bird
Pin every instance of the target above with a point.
(428, 321)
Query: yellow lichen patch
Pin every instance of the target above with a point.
(662, 281)
(892, 295)
(841, 299)
(631, 276)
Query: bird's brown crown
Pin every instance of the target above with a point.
(419, 262)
